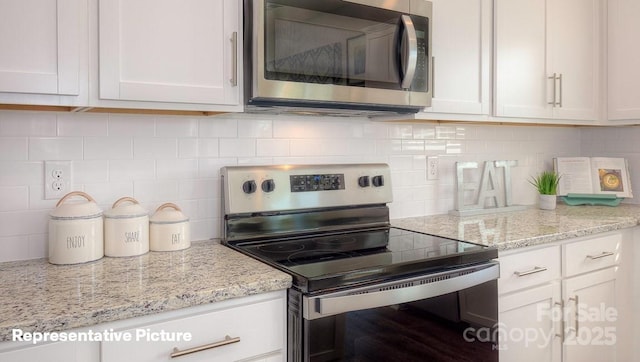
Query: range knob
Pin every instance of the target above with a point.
(378, 181)
(249, 187)
(363, 181)
(268, 185)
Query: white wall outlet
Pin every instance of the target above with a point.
(432, 168)
(57, 179)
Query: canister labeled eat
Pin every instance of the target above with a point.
(169, 229)
(126, 228)
(75, 230)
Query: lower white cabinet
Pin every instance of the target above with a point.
(248, 329)
(581, 314)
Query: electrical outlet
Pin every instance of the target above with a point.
(57, 179)
(432, 168)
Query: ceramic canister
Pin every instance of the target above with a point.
(75, 230)
(169, 229)
(126, 228)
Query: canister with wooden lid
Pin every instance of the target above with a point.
(75, 230)
(126, 228)
(169, 229)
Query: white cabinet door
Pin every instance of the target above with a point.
(50, 352)
(169, 51)
(461, 50)
(41, 42)
(531, 325)
(623, 59)
(547, 59)
(592, 316)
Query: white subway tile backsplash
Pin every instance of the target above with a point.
(122, 170)
(14, 148)
(121, 125)
(237, 147)
(272, 147)
(177, 126)
(15, 198)
(18, 173)
(218, 127)
(155, 148)
(208, 147)
(55, 148)
(157, 159)
(37, 124)
(74, 124)
(255, 128)
(108, 148)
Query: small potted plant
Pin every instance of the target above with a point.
(547, 184)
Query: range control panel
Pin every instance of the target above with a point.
(294, 187)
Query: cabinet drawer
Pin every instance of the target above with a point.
(591, 254)
(259, 326)
(528, 268)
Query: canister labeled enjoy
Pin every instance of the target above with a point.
(126, 228)
(169, 229)
(75, 230)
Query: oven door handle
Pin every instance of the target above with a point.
(327, 305)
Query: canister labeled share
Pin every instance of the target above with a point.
(126, 229)
(169, 229)
(75, 231)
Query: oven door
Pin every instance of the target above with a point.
(448, 316)
(340, 51)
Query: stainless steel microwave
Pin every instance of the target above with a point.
(340, 56)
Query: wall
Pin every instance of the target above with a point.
(159, 159)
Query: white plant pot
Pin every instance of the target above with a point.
(547, 202)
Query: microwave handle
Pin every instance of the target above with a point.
(409, 56)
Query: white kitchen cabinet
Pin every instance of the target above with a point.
(547, 59)
(250, 329)
(50, 352)
(540, 310)
(167, 54)
(461, 56)
(623, 59)
(530, 314)
(43, 58)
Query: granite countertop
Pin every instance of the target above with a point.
(510, 230)
(36, 296)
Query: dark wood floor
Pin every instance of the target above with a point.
(409, 334)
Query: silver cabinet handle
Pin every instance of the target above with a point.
(601, 255)
(411, 59)
(553, 98)
(536, 269)
(234, 59)
(560, 331)
(227, 340)
(576, 313)
(559, 104)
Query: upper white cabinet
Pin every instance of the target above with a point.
(547, 59)
(43, 58)
(623, 60)
(175, 54)
(461, 56)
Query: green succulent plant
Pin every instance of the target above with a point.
(546, 183)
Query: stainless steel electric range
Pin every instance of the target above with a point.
(362, 289)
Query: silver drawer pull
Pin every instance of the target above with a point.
(601, 255)
(227, 340)
(536, 269)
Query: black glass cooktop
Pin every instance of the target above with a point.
(332, 261)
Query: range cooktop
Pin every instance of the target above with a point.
(336, 260)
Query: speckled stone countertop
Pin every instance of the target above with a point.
(510, 230)
(36, 296)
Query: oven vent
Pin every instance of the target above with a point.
(429, 280)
